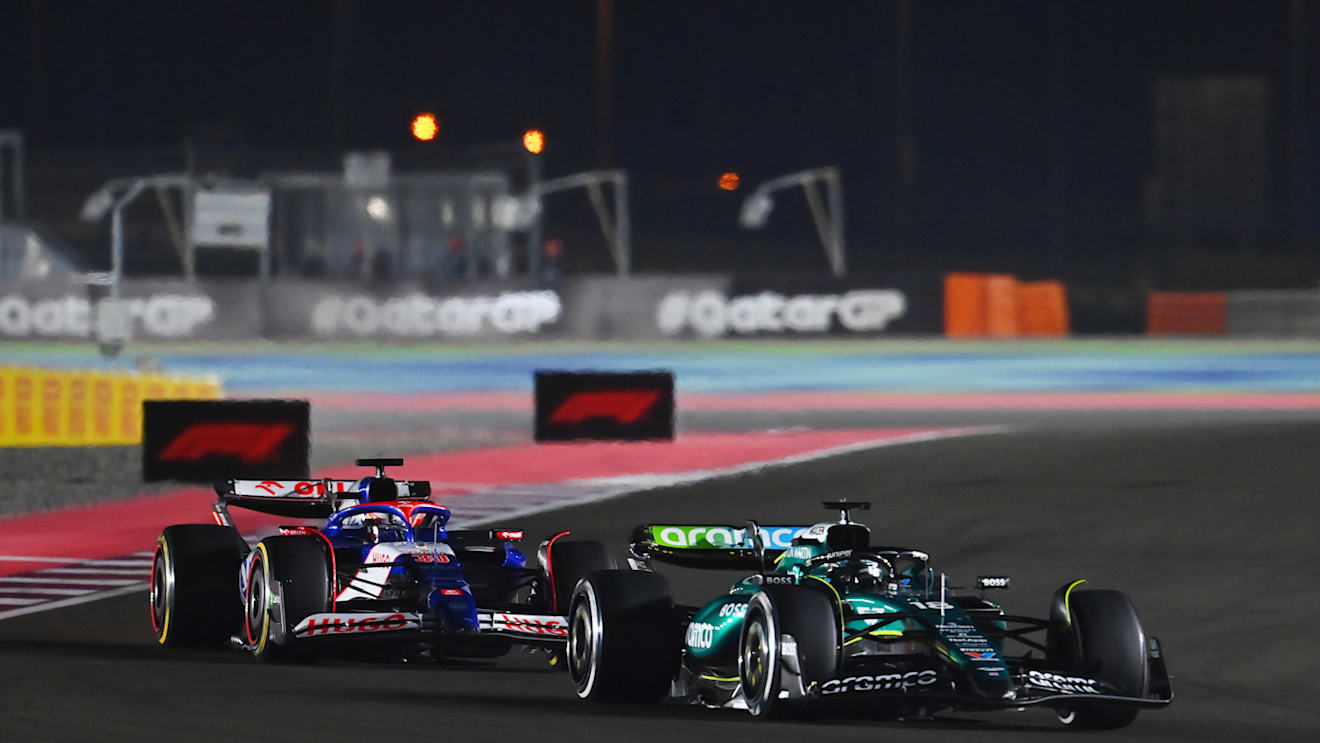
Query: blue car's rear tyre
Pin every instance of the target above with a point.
(1108, 643)
(191, 598)
(624, 641)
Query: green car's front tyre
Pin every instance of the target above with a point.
(810, 618)
(1110, 644)
(623, 637)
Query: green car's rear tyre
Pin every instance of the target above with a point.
(624, 641)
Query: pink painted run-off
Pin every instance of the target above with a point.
(125, 526)
(522, 401)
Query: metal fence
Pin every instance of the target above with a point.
(434, 225)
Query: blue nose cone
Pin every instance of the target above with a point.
(454, 606)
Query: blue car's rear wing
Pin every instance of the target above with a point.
(714, 546)
(305, 499)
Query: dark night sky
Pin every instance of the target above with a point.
(758, 86)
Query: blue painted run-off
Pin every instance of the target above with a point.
(728, 370)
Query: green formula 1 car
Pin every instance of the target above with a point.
(830, 620)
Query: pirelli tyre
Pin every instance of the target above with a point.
(624, 641)
(1106, 642)
(297, 569)
(191, 593)
(807, 615)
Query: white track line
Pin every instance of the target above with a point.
(118, 563)
(44, 589)
(615, 487)
(19, 602)
(93, 571)
(72, 601)
(28, 558)
(68, 581)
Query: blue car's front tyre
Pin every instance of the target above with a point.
(299, 569)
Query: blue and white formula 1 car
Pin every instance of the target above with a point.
(383, 574)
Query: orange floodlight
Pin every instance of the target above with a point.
(425, 127)
(534, 141)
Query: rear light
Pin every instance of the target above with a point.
(512, 536)
(451, 592)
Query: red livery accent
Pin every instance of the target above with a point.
(532, 626)
(550, 567)
(344, 624)
(512, 536)
(622, 406)
(451, 592)
(249, 442)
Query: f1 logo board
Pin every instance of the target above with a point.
(623, 406)
(204, 441)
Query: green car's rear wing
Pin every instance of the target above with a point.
(713, 545)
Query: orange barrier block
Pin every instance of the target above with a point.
(1042, 309)
(1187, 313)
(1001, 306)
(964, 305)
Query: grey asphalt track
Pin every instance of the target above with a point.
(1206, 520)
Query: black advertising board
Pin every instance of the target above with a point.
(612, 406)
(203, 441)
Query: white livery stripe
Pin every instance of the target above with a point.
(18, 602)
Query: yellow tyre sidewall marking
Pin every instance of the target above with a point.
(1067, 599)
(169, 599)
(264, 635)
